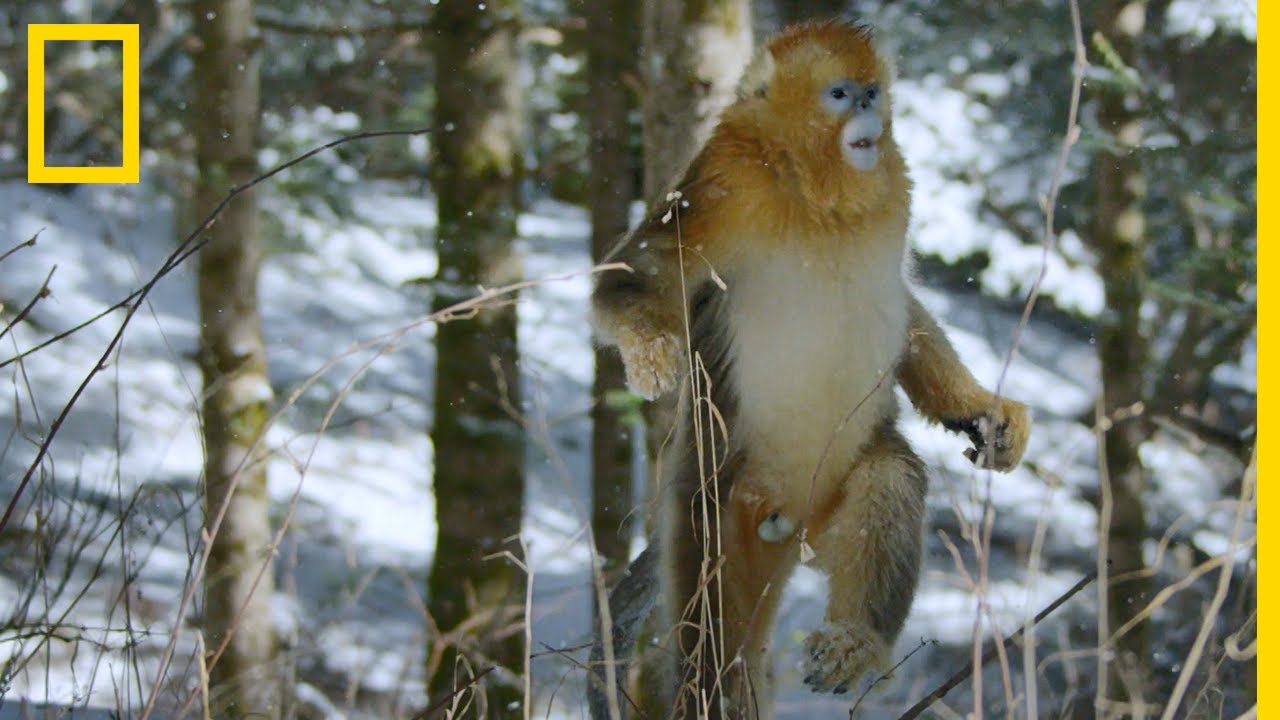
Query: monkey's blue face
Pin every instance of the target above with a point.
(846, 96)
(861, 104)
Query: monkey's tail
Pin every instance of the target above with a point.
(630, 604)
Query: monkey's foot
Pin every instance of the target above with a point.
(653, 364)
(838, 655)
(775, 528)
(998, 438)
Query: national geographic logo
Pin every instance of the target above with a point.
(37, 171)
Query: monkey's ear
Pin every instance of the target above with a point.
(757, 76)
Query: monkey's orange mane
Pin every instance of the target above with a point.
(839, 37)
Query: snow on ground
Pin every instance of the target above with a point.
(355, 560)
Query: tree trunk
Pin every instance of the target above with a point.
(693, 53)
(611, 50)
(793, 11)
(1250, 608)
(479, 445)
(1118, 236)
(233, 362)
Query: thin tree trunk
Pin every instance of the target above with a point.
(611, 49)
(233, 361)
(479, 445)
(1249, 600)
(1119, 238)
(692, 54)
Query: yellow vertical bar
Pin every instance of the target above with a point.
(35, 103)
(1268, 550)
(129, 149)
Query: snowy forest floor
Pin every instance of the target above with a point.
(352, 570)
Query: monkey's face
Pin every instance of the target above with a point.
(858, 105)
(823, 90)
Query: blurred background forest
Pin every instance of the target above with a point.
(348, 451)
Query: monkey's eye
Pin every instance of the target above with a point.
(872, 92)
(838, 97)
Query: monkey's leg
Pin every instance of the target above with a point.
(871, 549)
(730, 601)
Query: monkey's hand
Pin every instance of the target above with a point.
(837, 656)
(999, 434)
(653, 361)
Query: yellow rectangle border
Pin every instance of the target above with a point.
(37, 36)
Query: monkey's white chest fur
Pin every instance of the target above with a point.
(816, 341)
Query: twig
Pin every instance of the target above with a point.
(188, 247)
(31, 242)
(888, 674)
(69, 331)
(42, 293)
(625, 609)
(525, 564)
(565, 653)
(1050, 200)
(191, 245)
(993, 649)
(1192, 660)
(462, 309)
(1048, 241)
(211, 530)
(440, 704)
(1034, 558)
(606, 640)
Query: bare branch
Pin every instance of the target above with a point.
(993, 649)
(1050, 201)
(444, 702)
(188, 247)
(1192, 660)
(31, 242)
(338, 30)
(888, 674)
(42, 293)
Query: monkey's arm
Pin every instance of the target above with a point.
(944, 391)
(642, 310)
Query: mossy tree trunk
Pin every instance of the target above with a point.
(1119, 237)
(479, 445)
(233, 362)
(692, 55)
(612, 44)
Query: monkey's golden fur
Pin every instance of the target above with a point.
(771, 284)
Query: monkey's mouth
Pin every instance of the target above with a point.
(860, 137)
